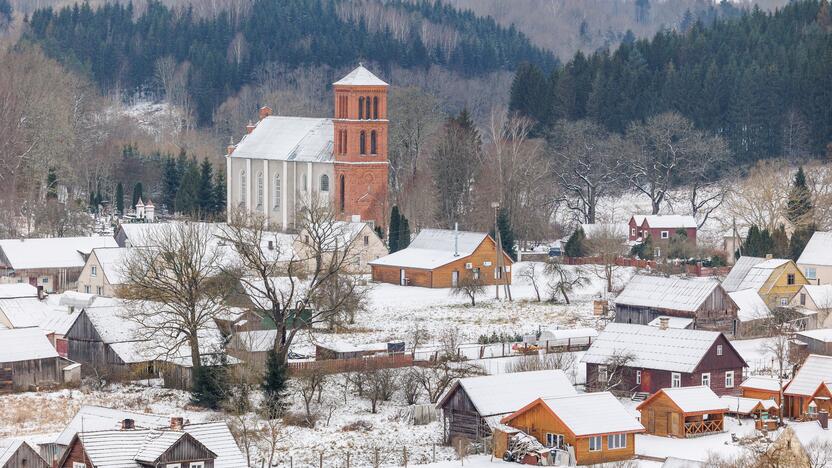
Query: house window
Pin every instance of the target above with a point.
(665, 234)
(784, 301)
(719, 350)
(602, 374)
(197, 465)
(45, 280)
(803, 299)
(476, 273)
(675, 380)
(324, 183)
(366, 241)
(78, 465)
(276, 201)
(87, 289)
(729, 379)
(362, 142)
(173, 465)
(243, 188)
(260, 191)
(638, 377)
(706, 379)
(94, 271)
(790, 279)
(633, 232)
(811, 273)
(98, 290)
(594, 443)
(616, 441)
(554, 440)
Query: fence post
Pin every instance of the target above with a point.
(348, 460)
(321, 462)
(433, 457)
(404, 449)
(291, 462)
(375, 458)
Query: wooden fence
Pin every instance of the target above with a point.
(335, 366)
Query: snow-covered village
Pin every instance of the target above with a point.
(433, 233)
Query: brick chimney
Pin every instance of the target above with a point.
(664, 323)
(265, 111)
(250, 127)
(769, 256)
(128, 424)
(176, 423)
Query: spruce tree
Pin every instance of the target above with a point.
(393, 230)
(211, 386)
(206, 189)
(187, 196)
(137, 193)
(800, 237)
(170, 183)
(219, 193)
(799, 207)
(120, 199)
(51, 184)
(780, 243)
(576, 244)
(506, 234)
(404, 233)
(274, 385)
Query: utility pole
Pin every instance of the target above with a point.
(499, 260)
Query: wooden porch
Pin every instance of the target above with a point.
(701, 428)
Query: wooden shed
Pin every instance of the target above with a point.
(751, 407)
(806, 392)
(19, 454)
(646, 298)
(683, 412)
(595, 425)
(28, 359)
(474, 405)
(439, 258)
(762, 388)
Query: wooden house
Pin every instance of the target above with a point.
(439, 258)
(814, 300)
(777, 280)
(817, 341)
(750, 407)
(763, 388)
(645, 298)
(473, 406)
(630, 359)
(807, 392)
(595, 425)
(683, 412)
(28, 359)
(753, 314)
(816, 259)
(208, 445)
(660, 228)
(102, 273)
(19, 454)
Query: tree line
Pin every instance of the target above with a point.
(759, 81)
(211, 58)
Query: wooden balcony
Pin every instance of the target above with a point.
(700, 428)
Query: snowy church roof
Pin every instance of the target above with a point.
(284, 138)
(360, 76)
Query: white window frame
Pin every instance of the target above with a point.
(476, 273)
(197, 465)
(616, 441)
(87, 289)
(602, 372)
(596, 443)
(554, 439)
(633, 232)
(638, 377)
(784, 301)
(45, 280)
(811, 273)
(665, 234)
(324, 186)
(675, 380)
(94, 271)
(98, 290)
(719, 350)
(729, 379)
(706, 379)
(173, 465)
(78, 465)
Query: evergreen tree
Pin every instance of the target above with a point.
(187, 196)
(51, 184)
(92, 205)
(800, 237)
(576, 244)
(758, 243)
(206, 190)
(643, 250)
(393, 230)
(799, 208)
(506, 234)
(211, 386)
(137, 193)
(119, 199)
(404, 233)
(780, 243)
(219, 193)
(170, 183)
(274, 385)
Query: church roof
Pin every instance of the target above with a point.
(288, 139)
(360, 77)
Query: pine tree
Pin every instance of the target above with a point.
(780, 243)
(187, 196)
(51, 184)
(120, 199)
(404, 233)
(210, 387)
(206, 189)
(799, 207)
(137, 193)
(576, 244)
(506, 234)
(393, 230)
(170, 183)
(219, 194)
(758, 243)
(274, 385)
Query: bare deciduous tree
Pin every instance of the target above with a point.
(611, 373)
(469, 285)
(439, 375)
(608, 245)
(760, 198)
(310, 381)
(563, 279)
(530, 274)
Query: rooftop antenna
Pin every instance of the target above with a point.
(456, 239)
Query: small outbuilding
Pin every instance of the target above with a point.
(807, 384)
(750, 407)
(28, 359)
(683, 412)
(762, 387)
(596, 426)
(19, 454)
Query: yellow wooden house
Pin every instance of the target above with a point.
(777, 280)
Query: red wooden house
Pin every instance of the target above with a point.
(661, 227)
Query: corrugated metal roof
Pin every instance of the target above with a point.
(815, 369)
(156, 443)
(288, 139)
(818, 250)
(739, 271)
(25, 344)
(98, 418)
(593, 413)
(677, 350)
(750, 306)
(8, 449)
(25, 311)
(674, 293)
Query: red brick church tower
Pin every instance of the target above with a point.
(360, 146)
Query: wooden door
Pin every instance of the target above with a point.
(454, 279)
(674, 423)
(651, 421)
(646, 385)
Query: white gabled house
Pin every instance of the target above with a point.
(816, 260)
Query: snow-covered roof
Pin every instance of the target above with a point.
(815, 370)
(25, 312)
(666, 221)
(17, 290)
(673, 293)
(122, 449)
(55, 252)
(606, 229)
(743, 405)
(674, 462)
(433, 248)
(9, 447)
(818, 250)
(750, 306)
(255, 341)
(98, 418)
(593, 413)
(759, 382)
(820, 334)
(672, 322)
(739, 271)
(288, 139)
(566, 333)
(506, 393)
(360, 76)
(25, 344)
(677, 350)
(821, 294)
(698, 399)
(112, 260)
(157, 443)
(757, 275)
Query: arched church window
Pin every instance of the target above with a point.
(373, 147)
(276, 191)
(362, 143)
(375, 107)
(324, 183)
(259, 190)
(243, 187)
(367, 110)
(341, 191)
(361, 107)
